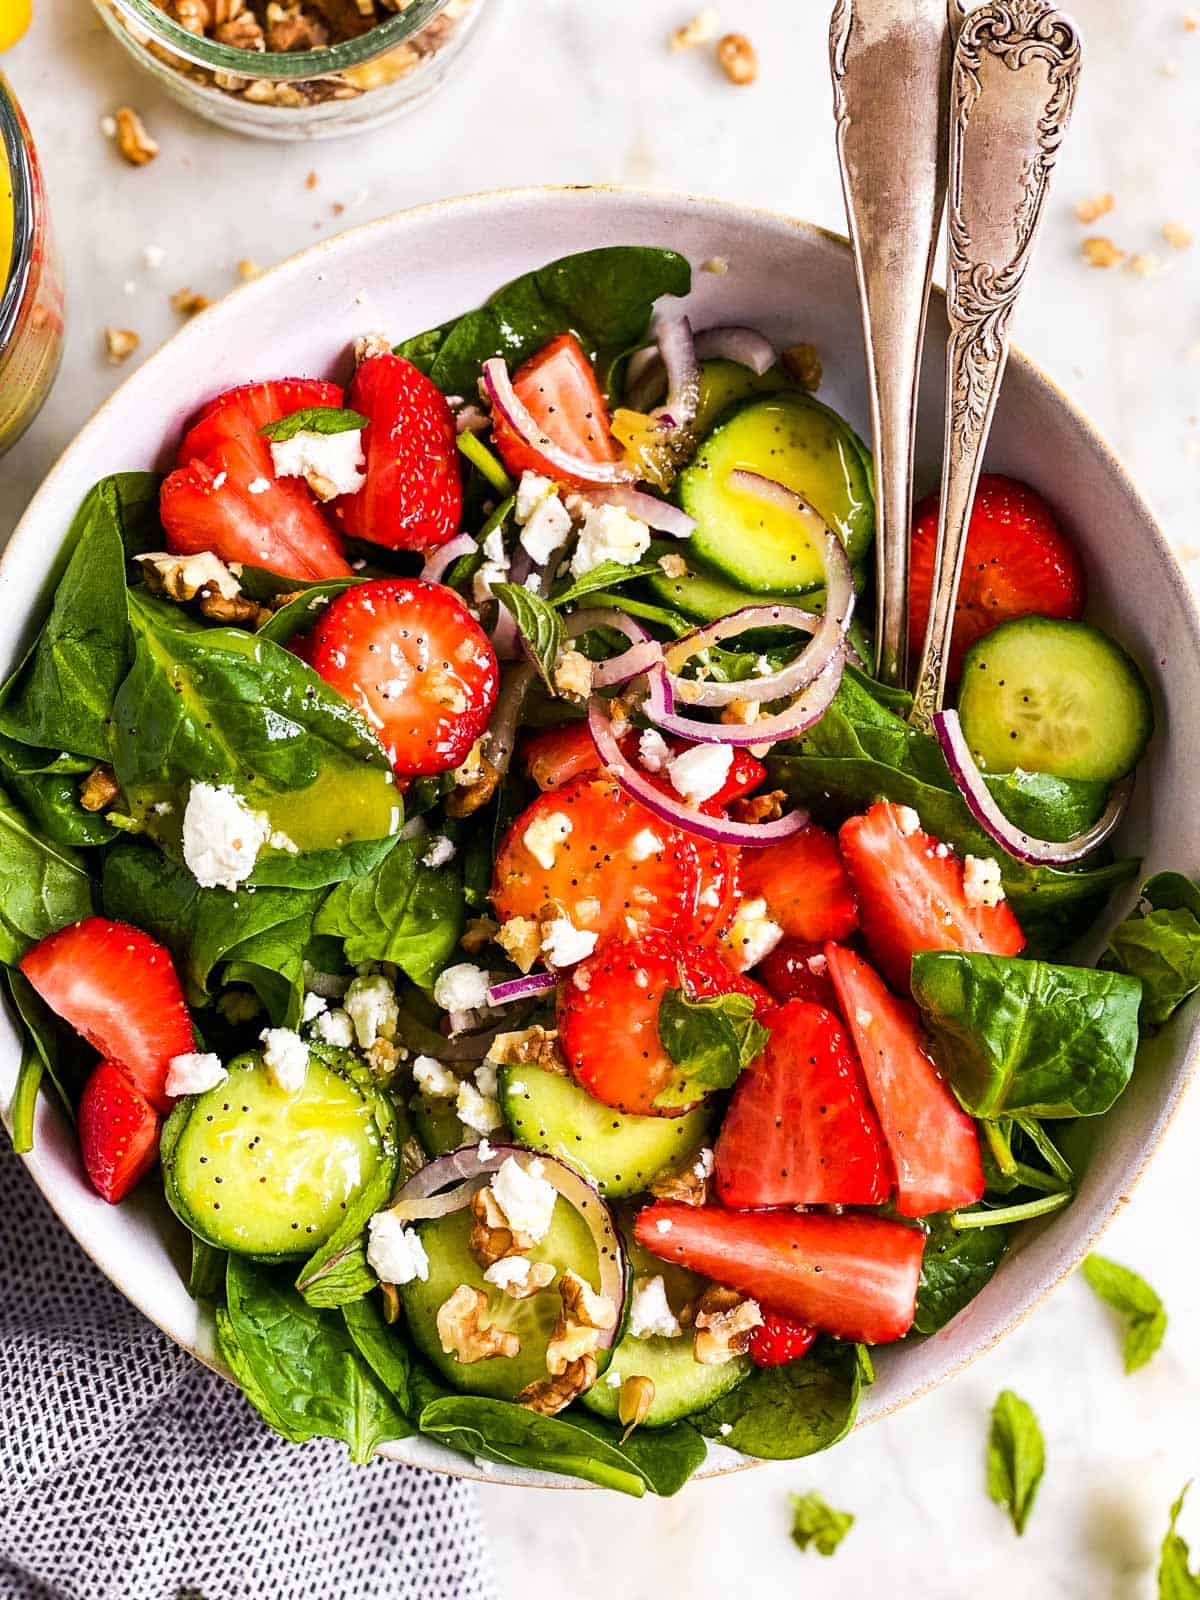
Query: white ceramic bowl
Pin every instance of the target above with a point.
(794, 281)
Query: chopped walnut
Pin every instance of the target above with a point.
(187, 302)
(741, 711)
(243, 32)
(1092, 210)
(134, 143)
(802, 363)
(383, 1057)
(1178, 235)
(634, 1400)
(738, 59)
(759, 807)
(193, 15)
(491, 1238)
(549, 1396)
(582, 1304)
(688, 1187)
(521, 940)
(529, 1047)
(99, 789)
(724, 1320)
(674, 566)
(701, 28)
(248, 270)
(540, 1276)
(370, 344)
(291, 27)
(461, 1333)
(120, 343)
(236, 613)
(573, 675)
(475, 783)
(478, 932)
(1146, 264)
(1101, 252)
(183, 578)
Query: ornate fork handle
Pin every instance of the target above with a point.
(1015, 71)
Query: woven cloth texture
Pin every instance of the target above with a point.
(130, 1472)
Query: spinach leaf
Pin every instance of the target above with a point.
(299, 1367)
(1160, 944)
(1126, 1292)
(313, 419)
(206, 1280)
(956, 1265)
(709, 1040)
(390, 1357)
(46, 785)
(338, 1273)
(781, 1413)
(604, 296)
(1014, 1035)
(43, 886)
(63, 1055)
(404, 912)
(540, 626)
(303, 610)
(24, 1097)
(818, 1524)
(604, 576)
(1016, 1457)
(1176, 1580)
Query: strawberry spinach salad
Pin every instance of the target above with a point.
(450, 834)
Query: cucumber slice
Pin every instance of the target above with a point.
(1054, 697)
(801, 443)
(436, 1125)
(708, 597)
(252, 1169)
(568, 1244)
(619, 1154)
(725, 384)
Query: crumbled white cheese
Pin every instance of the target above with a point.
(863, 1017)
(697, 774)
(477, 1111)
(609, 534)
(907, 820)
(981, 881)
(525, 1197)
(532, 491)
(414, 828)
(653, 750)
(280, 841)
(194, 1073)
(508, 1273)
(544, 835)
(493, 547)
(752, 935)
(462, 988)
(222, 836)
(372, 1007)
(563, 944)
(613, 1378)
(644, 845)
(285, 1056)
(486, 1080)
(518, 1086)
(547, 528)
(439, 853)
(314, 1004)
(335, 1028)
(395, 1253)
(489, 573)
(650, 1313)
(433, 1079)
(485, 1150)
(258, 485)
(725, 1428)
(817, 964)
(335, 457)
(703, 1165)
(664, 1224)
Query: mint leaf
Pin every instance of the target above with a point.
(1122, 1289)
(313, 419)
(710, 1040)
(1176, 1581)
(817, 1524)
(1016, 1457)
(604, 576)
(540, 627)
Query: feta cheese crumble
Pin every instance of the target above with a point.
(981, 881)
(653, 750)
(508, 1273)
(609, 534)
(697, 774)
(285, 1056)
(395, 1253)
(907, 820)
(546, 529)
(371, 1006)
(532, 491)
(433, 1079)
(543, 837)
(335, 1028)
(752, 936)
(477, 1111)
(194, 1073)
(650, 1314)
(525, 1197)
(462, 988)
(486, 1080)
(563, 944)
(314, 1004)
(644, 845)
(439, 853)
(222, 836)
(336, 458)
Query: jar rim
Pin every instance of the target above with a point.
(281, 65)
(13, 138)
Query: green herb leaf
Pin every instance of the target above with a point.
(1176, 1580)
(709, 1040)
(1015, 1035)
(43, 886)
(338, 1273)
(817, 1524)
(1016, 1457)
(604, 576)
(62, 1054)
(24, 1097)
(206, 1281)
(313, 419)
(1160, 944)
(782, 1413)
(1132, 1296)
(485, 462)
(540, 626)
(956, 1265)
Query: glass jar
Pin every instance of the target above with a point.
(31, 307)
(266, 85)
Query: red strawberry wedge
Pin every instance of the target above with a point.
(117, 987)
(933, 1143)
(797, 970)
(800, 1130)
(412, 497)
(118, 1132)
(804, 883)
(558, 388)
(778, 1340)
(854, 1276)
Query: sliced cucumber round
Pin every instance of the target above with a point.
(708, 597)
(619, 1154)
(1054, 697)
(437, 1125)
(255, 1170)
(567, 1245)
(795, 440)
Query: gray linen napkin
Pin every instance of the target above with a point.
(130, 1472)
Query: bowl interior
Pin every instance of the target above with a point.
(796, 282)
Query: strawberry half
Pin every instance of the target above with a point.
(558, 388)
(778, 1340)
(117, 987)
(412, 497)
(797, 970)
(118, 1132)
(804, 882)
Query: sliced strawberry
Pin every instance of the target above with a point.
(805, 885)
(933, 1143)
(118, 1132)
(797, 970)
(709, 973)
(608, 1018)
(415, 662)
(911, 894)
(720, 889)
(799, 1130)
(616, 870)
(556, 755)
(224, 495)
(558, 388)
(412, 499)
(746, 773)
(778, 1340)
(854, 1276)
(1018, 561)
(117, 987)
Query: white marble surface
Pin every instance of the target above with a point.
(566, 91)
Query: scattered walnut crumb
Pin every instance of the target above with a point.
(134, 143)
(529, 1047)
(699, 30)
(549, 1396)
(738, 59)
(337, 207)
(460, 1331)
(1191, 21)
(248, 270)
(521, 940)
(674, 566)
(1178, 235)
(1146, 264)
(633, 1403)
(688, 1187)
(759, 807)
(1101, 252)
(187, 302)
(370, 344)
(573, 675)
(724, 1321)
(238, 612)
(311, 181)
(717, 265)
(1092, 210)
(802, 363)
(477, 933)
(120, 343)
(476, 780)
(491, 1238)
(99, 789)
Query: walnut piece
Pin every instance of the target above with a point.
(238, 612)
(462, 1336)
(491, 1238)
(573, 675)
(738, 59)
(243, 32)
(99, 789)
(134, 143)
(291, 27)
(1178, 235)
(802, 363)
(1101, 252)
(475, 783)
(193, 15)
(371, 344)
(549, 1396)
(759, 807)
(689, 1187)
(120, 343)
(187, 302)
(582, 1304)
(701, 28)
(521, 940)
(724, 1320)
(183, 578)
(529, 1047)
(248, 270)
(1092, 210)
(540, 1276)
(674, 566)
(585, 1315)
(479, 931)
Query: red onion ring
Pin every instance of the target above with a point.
(678, 351)
(559, 462)
(982, 806)
(720, 830)
(644, 377)
(658, 514)
(809, 706)
(630, 663)
(602, 617)
(423, 1208)
(446, 555)
(533, 983)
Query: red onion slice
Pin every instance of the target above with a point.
(602, 617)
(467, 1170)
(644, 375)
(559, 463)
(982, 806)
(423, 1208)
(658, 514)
(678, 351)
(809, 707)
(720, 830)
(444, 557)
(533, 983)
(629, 664)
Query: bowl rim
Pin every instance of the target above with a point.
(732, 211)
